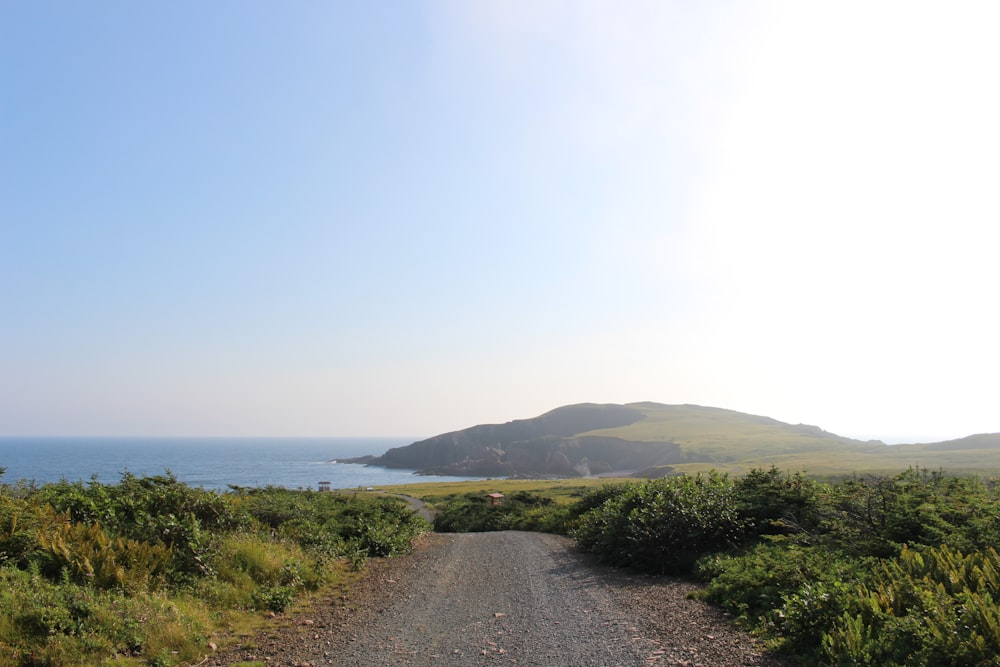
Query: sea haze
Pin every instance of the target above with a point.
(210, 463)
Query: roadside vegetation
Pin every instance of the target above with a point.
(150, 571)
(880, 570)
(562, 491)
(875, 570)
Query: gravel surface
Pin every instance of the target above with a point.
(508, 598)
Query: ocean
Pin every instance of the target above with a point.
(209, 463)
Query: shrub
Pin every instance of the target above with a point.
(254, 572)
(157, 510)
(48, 623)
(86, 554)
(772, 502)
(522, 510)
(664, 525)
(465, 514)
(938, 607)
(380, 526)
(753, 584)
(143, 569)
(848, 574)
(880, 515)
(336, 524)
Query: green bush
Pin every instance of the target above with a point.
(854, 573)
(937, 607)
(880, 515)
(382, 526)
(774, 503)
(333, 524)
(157, 510)
(61, 623)
(86, 554)
(664, 525)
(754, 584)
(94, 572)
(523, 510)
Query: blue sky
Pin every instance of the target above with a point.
(313, 218)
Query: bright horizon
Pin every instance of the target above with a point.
(325, 219)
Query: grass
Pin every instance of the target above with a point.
(563, 491)
(827, 464)
(736, 443)
(724, 433)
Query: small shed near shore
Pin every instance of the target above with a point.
(324, 486)
(495, 498)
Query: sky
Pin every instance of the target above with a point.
(251, 218)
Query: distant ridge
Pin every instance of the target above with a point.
(978, 441)
(654, 439)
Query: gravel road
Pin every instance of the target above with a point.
(507, 598)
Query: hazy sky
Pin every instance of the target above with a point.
(405, 218)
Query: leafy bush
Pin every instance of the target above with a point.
(49, 623)
(753, 584)
(880, 515)
(855, 573)
(86, 554)
(157, 510)
(466, 514)
(776, 503)
(664, 525)
(21, 522)
(381, 526)
(938, 607)
(336, 524)
(522, 510)
(92, 572)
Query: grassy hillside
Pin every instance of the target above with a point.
(974, 454)
(656, 439)
(727, 434)
(737, 442)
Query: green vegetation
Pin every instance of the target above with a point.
(546, 505)
(664, 525)
(879, 570)
(562, 491)
(522, 510)
(149, 570)
(735, 442)
(656, 440)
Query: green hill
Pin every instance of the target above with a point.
(656, 439)
(973, 454)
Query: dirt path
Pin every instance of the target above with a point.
(417, 505)
(508, 598)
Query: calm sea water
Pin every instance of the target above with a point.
(210, 463)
